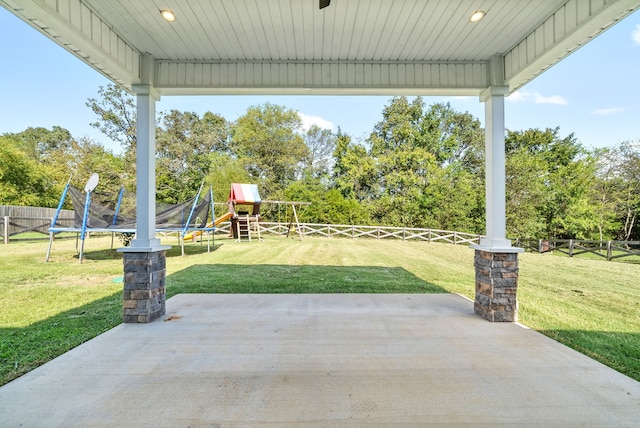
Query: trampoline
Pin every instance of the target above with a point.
(116, 215)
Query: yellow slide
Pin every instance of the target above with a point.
(216, 222)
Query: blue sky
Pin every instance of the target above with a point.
(594, 93)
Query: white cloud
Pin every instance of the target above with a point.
(609, 111)
(308, 121)
(553, 99)
(536, 97)
(517, 97)
(635, 35)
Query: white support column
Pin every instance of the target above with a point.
(145, 171)
(146, 97)
(495, 240)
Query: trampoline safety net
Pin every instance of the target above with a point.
(120, 212)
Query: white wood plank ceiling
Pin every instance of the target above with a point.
(352, 46)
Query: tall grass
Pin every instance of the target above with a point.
(49, 308)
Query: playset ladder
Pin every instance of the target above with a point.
(243, 229)
(247, 225)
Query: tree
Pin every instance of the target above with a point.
(570, 211)
(224, 169)
(619, 173)
(328, 206)
(267, 139)
(403, 176)
(549, 182)
(22, 181)
(452, 201)
(453, 137)
(38, 143)
(321, 145)
(425, 166)
(42, 162)
(400, 126)
(354, 171)
(525, 194)
(49, 149)
(184, 142)
(605, 195)
(184, 145)
(449, 135)
(86, 157)
(116, 111)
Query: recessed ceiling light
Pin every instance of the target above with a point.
(477, 15)
(168, 15)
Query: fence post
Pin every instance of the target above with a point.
(6, 229)
(609, 251)
(570, 247)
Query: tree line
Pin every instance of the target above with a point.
(421, 166)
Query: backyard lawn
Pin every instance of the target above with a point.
(49, 308)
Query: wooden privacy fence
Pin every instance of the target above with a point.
(15, 220)
(606, 249)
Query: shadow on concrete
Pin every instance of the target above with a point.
(259, 279)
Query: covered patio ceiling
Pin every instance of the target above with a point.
(383, 47)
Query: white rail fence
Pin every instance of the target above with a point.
(609, 250)
(355, 231)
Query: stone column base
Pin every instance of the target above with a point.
(144, 286)
(496, 286)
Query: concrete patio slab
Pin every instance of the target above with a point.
(320, 360)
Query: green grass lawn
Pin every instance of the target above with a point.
(49, 308)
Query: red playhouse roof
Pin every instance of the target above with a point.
(244, 193)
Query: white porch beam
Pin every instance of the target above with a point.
(309, 77)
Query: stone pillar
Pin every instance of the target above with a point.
(496, 285)
(144, 286)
